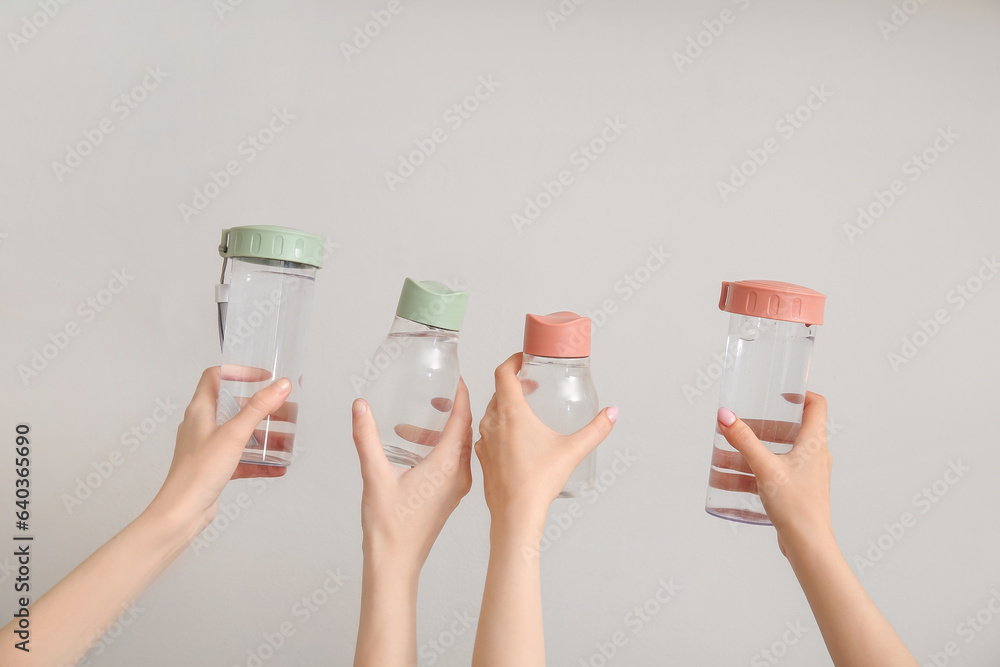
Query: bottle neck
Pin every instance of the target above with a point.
(401, 325)
(569, 362)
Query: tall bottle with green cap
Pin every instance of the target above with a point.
(413, 391)
(263, 321)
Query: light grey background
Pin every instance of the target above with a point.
(898, 429)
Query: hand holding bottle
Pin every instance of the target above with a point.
(525, 467)
(75, 612)
(795, 490)
(402, 512)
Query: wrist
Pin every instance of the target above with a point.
(178, 526)
(802, 545)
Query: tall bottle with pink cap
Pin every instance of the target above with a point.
(772, 328)
(555, 378)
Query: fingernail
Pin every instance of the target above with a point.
(612, 413)
(284, 385)
(359, 408)
(726, 417)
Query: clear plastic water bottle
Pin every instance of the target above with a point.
(555, 378)
(263, 321)
(772, 327)
(415, 371)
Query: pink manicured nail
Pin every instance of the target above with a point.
(726, 417)
(359, 408)
(284, 385)
(612, 413)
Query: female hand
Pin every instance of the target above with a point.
(525, 463)
(794, 487)
(206, 455)
(403, 510)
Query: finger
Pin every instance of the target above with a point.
(488, 421)
(238, 373)
(250, 470)
(366, 439)
(508, 385)
(812, 435)
(742, 438)
(260, 405)
(286, 412)
(205, 394)
(590, 436)
(459, 426)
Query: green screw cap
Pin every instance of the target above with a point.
(432, 303)
(267, 242)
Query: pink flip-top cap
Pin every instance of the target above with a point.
(773, 300)
(563, 335)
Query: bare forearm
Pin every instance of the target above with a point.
(855, 631)
(510, 622)
(387, 632)
(73, 614)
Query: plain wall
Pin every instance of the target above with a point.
(901, 424)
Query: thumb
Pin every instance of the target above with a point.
(590, 436)
(260, 405)
(366, 437)
(742, 438)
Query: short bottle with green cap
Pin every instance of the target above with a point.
(264, 313)
(414, 372)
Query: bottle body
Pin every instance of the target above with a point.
(764, 383)
(562, 395)
(267, 323)
(413, 392)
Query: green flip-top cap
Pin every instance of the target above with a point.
(267, 242)
(432, 303)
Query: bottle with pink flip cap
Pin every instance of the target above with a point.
(772, 328)
(555, 378)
